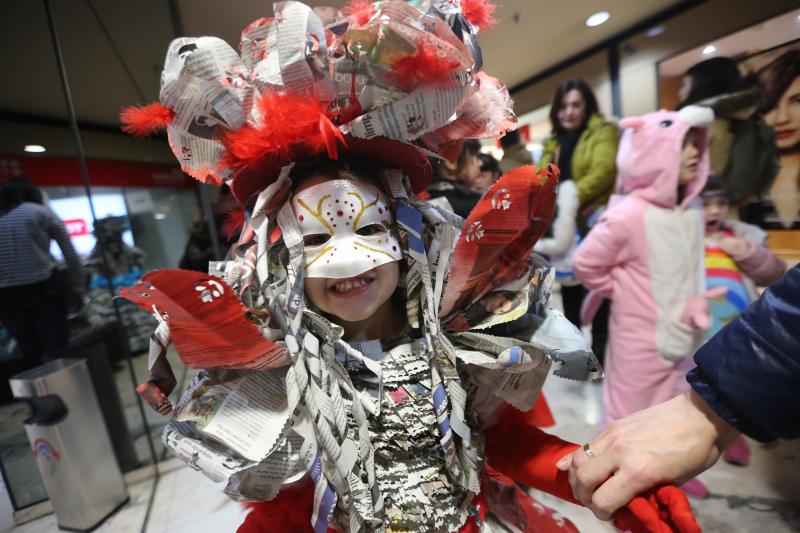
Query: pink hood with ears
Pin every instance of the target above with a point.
(649, 157)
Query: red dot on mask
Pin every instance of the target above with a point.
(300, 218)
(339, 213)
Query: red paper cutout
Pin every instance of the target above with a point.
(207, 322)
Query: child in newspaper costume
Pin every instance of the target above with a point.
(368, 363)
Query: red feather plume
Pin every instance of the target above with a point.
(361, 11)
(234, 222)
(143, 121)
(291, 128)
(424, 65)
(479, 13)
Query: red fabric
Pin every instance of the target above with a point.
(385, 152)
(479, 13)
(541, 416)
(207, 322)
(518, 449)
(516, 507)
(141, 121)
(289, 512)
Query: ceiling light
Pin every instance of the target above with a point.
(598, 18)
(710, 49)
(655, 31)
(160, 216)
(35, 148)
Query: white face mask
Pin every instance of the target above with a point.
(346, 227)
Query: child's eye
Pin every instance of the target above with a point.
(317, 239)
(371, 229)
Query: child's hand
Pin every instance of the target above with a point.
(696, 312)
(734, 246)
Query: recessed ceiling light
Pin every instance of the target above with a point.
(710, 49)
(35, 148)
(598, 18)
(655, 31)
(160, 216)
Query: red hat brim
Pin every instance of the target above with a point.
(381, 150)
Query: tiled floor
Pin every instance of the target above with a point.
(763, 497)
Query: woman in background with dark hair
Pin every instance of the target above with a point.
(779, 206)
(34, 295)
(584, 146)
(742, 148)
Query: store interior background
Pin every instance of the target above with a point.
(113, 54)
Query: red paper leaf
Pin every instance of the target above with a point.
(207, 322)
(498, 236)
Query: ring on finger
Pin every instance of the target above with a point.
(588, 451)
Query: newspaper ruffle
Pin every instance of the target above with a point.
(315, 81)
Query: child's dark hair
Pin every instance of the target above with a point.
(489, 164)
(714, 184)
(341, 169)
(588, 98)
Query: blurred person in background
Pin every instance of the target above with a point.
(490, 172)
(35, 295)
(515, 154)
(558, 244)
(735, 258)
(741, 146)
(584, 146)
(453, 182)
(779, 206)
(646, 255)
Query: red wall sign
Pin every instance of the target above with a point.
(65, 172)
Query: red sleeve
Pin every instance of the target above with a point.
(528, 455)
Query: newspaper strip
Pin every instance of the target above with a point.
(248, 414)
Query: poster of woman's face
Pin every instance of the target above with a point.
(777, 71)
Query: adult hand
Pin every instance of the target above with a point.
(670, 442)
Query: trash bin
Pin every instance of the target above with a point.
(70, 443)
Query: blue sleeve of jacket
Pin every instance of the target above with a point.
(749, 373)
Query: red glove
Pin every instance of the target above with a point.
(518, 449)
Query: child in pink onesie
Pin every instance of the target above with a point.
(646, 255)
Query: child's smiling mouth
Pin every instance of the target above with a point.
(351, 286)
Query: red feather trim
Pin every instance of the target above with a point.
(424, 65)
(479, 13)
(360, 11)
(143, 121)
(234, 222)
(291, 128)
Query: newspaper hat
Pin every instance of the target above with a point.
(384, 81)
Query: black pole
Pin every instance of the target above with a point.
(613, 72)
(88, 188)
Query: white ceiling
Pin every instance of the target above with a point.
(531, 36)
